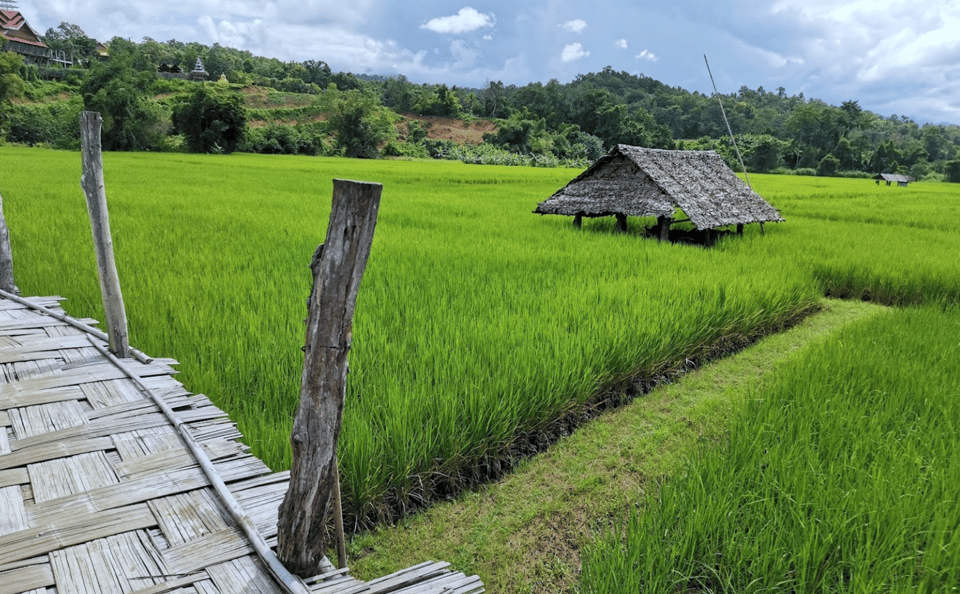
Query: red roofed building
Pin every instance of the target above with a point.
(17, 36)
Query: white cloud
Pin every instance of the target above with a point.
(621, 43)
(468, 19)
(573, 51)
(647, 55)
(576, 25)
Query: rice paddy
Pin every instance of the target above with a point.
(478, 324)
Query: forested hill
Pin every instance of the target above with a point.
(267, 105)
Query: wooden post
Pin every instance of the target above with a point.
(739, 228)
(578, 220)
(621, 222)
(6, 256)
(92, 184)
(664, 223)
(337, 269)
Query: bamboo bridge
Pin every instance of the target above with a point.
(100, 493)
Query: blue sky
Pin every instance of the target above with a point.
(894, 57)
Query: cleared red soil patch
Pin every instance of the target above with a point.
(440, 128)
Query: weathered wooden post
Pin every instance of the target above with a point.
(664, 223)
(6, 256)
(92, 184)
(337, 269)
(578, 220)
(621, 222)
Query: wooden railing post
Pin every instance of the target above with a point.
(337, 267)
(92, 183)
(6, 256)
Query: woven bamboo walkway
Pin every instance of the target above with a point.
(100, 495)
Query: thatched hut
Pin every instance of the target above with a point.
(900, 180)
(642, 182)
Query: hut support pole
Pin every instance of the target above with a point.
(93, 187)
(6, 256)
(578, 220)
(739, 228)
(337, 270)
(621, 222)
(761, 228)
(664, 223)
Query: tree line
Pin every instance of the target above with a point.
(548, 124)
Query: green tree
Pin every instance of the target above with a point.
(361, 124)
(131, 121)
(828, 165)
(72, 41)
(952, 171)
(10, 85)
(211, 122)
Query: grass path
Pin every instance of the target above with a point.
(524, 533)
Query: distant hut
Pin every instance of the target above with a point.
(643, 182)
(901, 180)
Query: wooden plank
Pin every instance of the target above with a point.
(406, 577)
(246, 574)
(74, 436)
(70, 530)
(341, 585)
(42, 397)
(61, 477)
(121, 563)
(187, 516)
(26, 579)
(174, 584)
(41, 345)
(31, 421)
(13, 516)
(17, 476)
(145, 488)
(146, 442)
(262, 505)
(82, 374)
(111, 393)
(32, 323)
(167, 460)
(210, 549)
(53, 449)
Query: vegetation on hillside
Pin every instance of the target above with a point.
(538, 124)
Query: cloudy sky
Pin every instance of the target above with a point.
(894, 57)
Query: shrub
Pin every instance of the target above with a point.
(211, 122)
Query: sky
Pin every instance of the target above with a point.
(893, 57)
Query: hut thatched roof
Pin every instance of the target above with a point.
(644, 182)
(893, 177)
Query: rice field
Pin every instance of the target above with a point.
(840, 477)
(478, 324)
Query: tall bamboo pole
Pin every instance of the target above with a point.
(6, 256)
(93, 188)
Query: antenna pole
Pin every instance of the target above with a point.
(727, 122)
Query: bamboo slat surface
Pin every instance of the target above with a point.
(99, 493)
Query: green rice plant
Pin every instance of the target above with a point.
(840, 477)
(477, 326)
